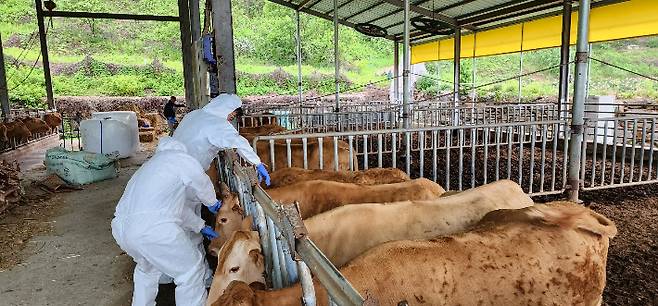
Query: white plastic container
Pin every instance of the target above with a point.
(127, 117)
(109, 137)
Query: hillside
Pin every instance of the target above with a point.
(131, 58)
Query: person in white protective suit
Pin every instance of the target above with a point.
(153, 225)
(205, 131)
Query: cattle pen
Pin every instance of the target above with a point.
(560, 149)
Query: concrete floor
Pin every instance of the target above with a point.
(78, 263)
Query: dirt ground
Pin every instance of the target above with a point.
(633, 255)
(58, 249)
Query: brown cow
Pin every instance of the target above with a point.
(37, 126)
(551, 254)
(374, 176)
(18, 131)
(228, 218)
(53, 120)
(3, 133)
(315, 197)
(239, 259)
(312, 157)
(268, 129)
(343, 233)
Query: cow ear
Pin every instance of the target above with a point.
(237, 208)
(247, 224)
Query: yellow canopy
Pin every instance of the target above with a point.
(633, 18)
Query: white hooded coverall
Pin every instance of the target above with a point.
(205, 131)
(154, 226)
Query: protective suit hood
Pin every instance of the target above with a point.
(222, 105)
(170, 144)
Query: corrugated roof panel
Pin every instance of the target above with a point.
(355, 7)
(390, 16)
(437, 5)
(372, 13)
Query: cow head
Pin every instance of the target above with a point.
(228, 219)
(239, 259)
(237, 294)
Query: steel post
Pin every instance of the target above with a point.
(563, 94)
(4, 93)
(406, 58)
(521, 64)
(44, 55)
(456, 62)
(578, 110)
(336, 57)
(396, 72)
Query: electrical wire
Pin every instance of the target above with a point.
(624, 69)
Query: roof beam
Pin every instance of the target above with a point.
(67, 14)
(425, 12)
(520, 7)
(521, 12)
(320, 15)
(305, 4)
(454, 5)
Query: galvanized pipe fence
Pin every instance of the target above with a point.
(616, 152)
(290, 256)
(457, 157)
(421, 116)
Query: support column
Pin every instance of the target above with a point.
(44, 55)
(578, 110)
(336, 57)
(4, 93)
(563, 93)
(298, 42)
(457, 70)
(473, 69)
(521, 63)
(406, 58)
(195, 24)
(222, 20)
(396, 72)
(186, 46)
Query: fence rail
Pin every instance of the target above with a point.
(620, 152)
(457, 157)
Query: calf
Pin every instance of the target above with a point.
(239, 259)
(344, 233)
(374, 176)
(37, 126)
(18, 131)
(315, 197)
(551, 254)
(53, 120)
(3, 133)
(228, 218)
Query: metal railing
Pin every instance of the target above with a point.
(327, 122)
(620, 152)
(483, 114)
(281, 230)
(457, 157)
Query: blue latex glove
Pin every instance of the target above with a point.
(262, 174)
(215, 207)
(209, 233)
